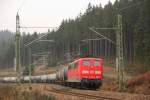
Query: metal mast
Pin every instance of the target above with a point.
(119, 50)
(30, 63)
(17, 48)
(119, 54)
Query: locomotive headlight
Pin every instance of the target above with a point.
(97, 72)
(85, 72)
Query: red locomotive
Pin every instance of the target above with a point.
(86, 72)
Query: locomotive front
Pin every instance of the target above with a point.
(91, 72)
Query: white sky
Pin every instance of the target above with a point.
(41, 12)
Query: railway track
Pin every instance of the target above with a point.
(83, 95)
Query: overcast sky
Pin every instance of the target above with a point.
(41, 12)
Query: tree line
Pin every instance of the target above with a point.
(73, 36)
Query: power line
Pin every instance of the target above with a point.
(26, 45)
(93, 39)
(20, 7)
(41, 53)
(133, 5)
(37, 27)
(102, 36)
(46, 41)
(114, 28)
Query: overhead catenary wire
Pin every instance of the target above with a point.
(37, 27)
(35, 40)
(42, 53)
(93, 39)
(133, 5)
(22, 4)
(102, 36)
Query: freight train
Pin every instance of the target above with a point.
(83, 72)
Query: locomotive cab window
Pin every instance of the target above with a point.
(69, 67)
(86, 63)
(75, 65)
(97, 63)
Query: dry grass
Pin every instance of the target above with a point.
(12, 93)
(136, 69)
(139, 84)
(7, 72)
(136, 83)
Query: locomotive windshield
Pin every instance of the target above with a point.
(97, 63)
(94, 63)
(86, 63)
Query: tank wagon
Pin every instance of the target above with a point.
(50, 78)
(34, 79)
(9, 79)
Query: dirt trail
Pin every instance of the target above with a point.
(7, 72)
(40, 70)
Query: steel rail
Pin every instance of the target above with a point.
(89, 96)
